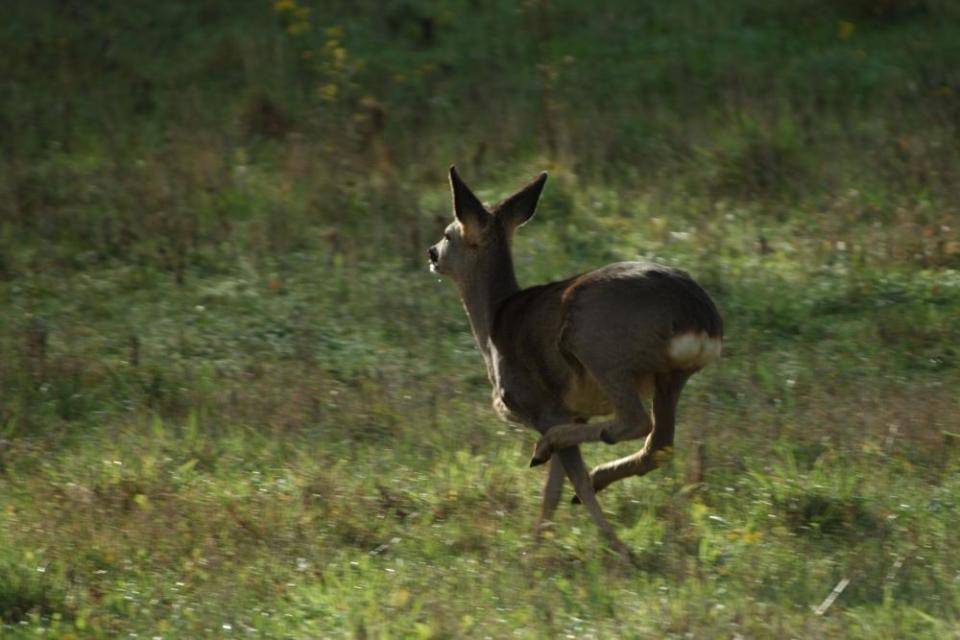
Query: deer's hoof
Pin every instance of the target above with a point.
(541, 453)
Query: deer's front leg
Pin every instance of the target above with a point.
(566, 435)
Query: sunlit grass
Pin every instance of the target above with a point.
(315, 461)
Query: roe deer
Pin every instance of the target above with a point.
(593, 345)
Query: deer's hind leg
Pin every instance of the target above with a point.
(572, 461)
(659, 443)
(552, 490)
(631, 420)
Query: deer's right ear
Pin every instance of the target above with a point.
(466, 207)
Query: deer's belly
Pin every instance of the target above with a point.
(586, 397)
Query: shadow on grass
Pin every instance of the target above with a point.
(25, 593)
(818, 515)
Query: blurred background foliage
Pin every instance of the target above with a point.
(233, 401)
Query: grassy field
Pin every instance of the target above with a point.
(234, 402)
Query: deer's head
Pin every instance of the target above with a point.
(478, 236)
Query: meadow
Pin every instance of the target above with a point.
(235, 403)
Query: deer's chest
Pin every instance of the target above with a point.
(517, 395)
(506, 406)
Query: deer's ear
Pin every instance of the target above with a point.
(466, 207)
(518, 208)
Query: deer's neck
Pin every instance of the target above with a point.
(482, 295)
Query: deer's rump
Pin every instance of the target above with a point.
(638, 316)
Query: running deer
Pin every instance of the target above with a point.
(597, 344)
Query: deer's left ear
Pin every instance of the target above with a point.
(518, 208)
(466, 207)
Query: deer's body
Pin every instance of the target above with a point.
(561, 353)
(642, 318)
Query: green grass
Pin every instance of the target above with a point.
(233, 402)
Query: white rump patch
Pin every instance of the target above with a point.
(693, 350)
